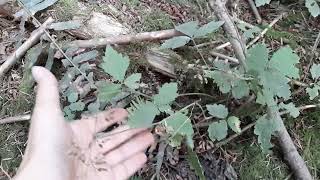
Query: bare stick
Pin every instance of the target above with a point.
(235, 39)
(231, 59)
(15, 119)
(255, 11)
(19, 53)
(223, 46)
(266, 29)
(126, 39)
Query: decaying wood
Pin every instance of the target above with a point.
(126, 39)
(20, 52)
(161, 63)
(290, 152)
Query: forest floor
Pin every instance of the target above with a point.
(243, 153)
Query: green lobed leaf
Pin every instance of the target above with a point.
(132, 81)
(94, 107)
(257, 58)
(115, 64)
(284, 60)
(195, 164)
(218, 130)
(313, 7)
(315, 71)
(262, 2)
(142, 114)
(217, 110)
(264, 129)
(180, 124)
(175, 42)
(293, 110)
(77, 106)
(188, 28)
(313, 92)
(240, 89)
(73, 97)
(167, 94)
(234, 124)
(222, 79)
(273, 81)
(106, 91)
(208, 28)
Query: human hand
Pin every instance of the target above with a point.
(58, 149)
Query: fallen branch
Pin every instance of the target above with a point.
(291, 154)
(15, 119)
(255, 11)
(235, 39)
(126, 39)
(19, 53)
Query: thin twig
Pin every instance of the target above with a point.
(222, 46)
(15, 119)
(316, 43)
(125, 39)
(255, 11)
(237, 20)
(5, 172)
(19, 53)
(231, 59)
(266, 29)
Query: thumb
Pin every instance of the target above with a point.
(47, 123)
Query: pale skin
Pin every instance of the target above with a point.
(63, 150)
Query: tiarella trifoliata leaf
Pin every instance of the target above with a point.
(257, 58)
(313, 92)
(180, 124)
(73, 97)
(167, 94)
(107, 91)
(234, 124)
(175, 42)
(264, 129)
(284, 60)
(240, 89)
(208, 28)
(133, 81)
(313, 7)
(315, 71)
(217, 110)
(262, 2)
(77, 106)
(115, 64)
(218, 130)
(188, 28)
(293, 110)
(68, 113)
(142, 114)
(195, 164)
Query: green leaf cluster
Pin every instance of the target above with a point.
(219, 130)
(191, 30)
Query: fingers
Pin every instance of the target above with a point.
(114, 138)
(47, 93)
(136, 145)
(47, 123)
(127, 168)
(100, 121)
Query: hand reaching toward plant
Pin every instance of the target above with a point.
(63, 150)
